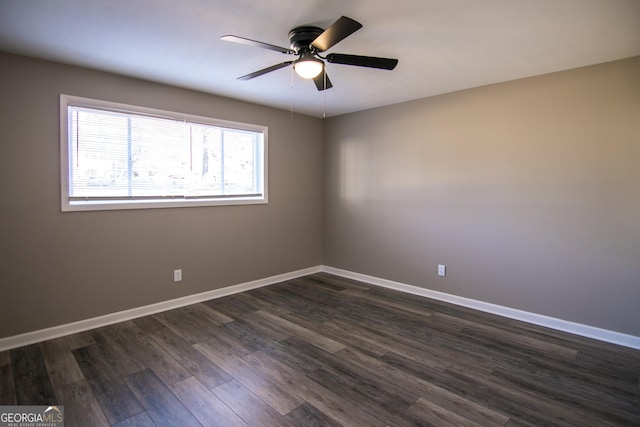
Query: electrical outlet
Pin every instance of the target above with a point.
(442, 270)
(177, 275)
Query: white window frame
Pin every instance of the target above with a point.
(117, 204)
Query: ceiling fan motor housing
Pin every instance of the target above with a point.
(302, 37)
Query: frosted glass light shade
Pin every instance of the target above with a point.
(308, 67)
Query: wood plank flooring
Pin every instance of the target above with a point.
(326, 351)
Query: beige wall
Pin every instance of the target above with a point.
(529, 192)
(58, 267)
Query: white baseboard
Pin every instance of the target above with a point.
(511, 313)
(121, 316)
(613, 337)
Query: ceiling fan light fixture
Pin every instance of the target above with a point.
(307, 43)
(307, 66)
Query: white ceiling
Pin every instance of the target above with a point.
(442, 45)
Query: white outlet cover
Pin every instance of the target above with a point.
(442, 270)
(177, 275)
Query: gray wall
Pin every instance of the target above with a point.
(529, 192)
(58, 267)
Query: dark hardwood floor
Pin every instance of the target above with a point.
(326, 351)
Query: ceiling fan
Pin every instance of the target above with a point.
(307, 43)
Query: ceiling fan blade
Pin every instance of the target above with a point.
(336, 32)
(362, 61)
(322, 81)
(256, 43)
(265, 71)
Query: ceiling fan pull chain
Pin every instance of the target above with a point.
(291, 97)
(324, 112)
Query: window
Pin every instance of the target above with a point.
(117, 156)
